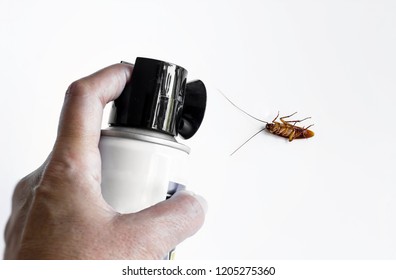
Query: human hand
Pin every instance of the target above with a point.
(58, 211)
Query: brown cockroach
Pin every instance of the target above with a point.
(286, 129)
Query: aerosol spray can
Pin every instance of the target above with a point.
(142, 163)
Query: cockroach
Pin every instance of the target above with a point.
(286, 129)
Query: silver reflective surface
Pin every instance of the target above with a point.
(169, 98)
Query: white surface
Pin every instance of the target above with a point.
(136, 174)
(332, 196)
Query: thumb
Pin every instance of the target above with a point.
(163, 226)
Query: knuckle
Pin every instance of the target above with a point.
(79, 88)
(21, 189)
(44, 197)
(59, 169)
(68, 177)
(85, 88)
(24, 187)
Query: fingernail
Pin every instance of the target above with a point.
(125, 62)
(199, 198)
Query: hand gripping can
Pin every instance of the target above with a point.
(142, 162)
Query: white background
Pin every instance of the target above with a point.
(328, 197)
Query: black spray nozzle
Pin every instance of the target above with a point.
(193, 109)
(158, 97)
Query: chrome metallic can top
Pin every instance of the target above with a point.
(159, 98)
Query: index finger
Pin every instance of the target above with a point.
(85, 99)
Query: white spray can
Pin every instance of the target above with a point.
(142, 163)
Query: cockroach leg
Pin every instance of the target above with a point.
(297, 121)
(291, 136)
(282, 119)
(308, 126)
(275, 117)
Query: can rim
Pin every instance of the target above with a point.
(146, 136)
